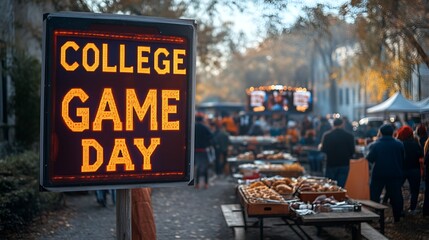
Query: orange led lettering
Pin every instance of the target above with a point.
(177, 61)
(122, 67)
(80, 112)
(90, 59)
(86, 165)
(169, 109)
(165, 63)
(63, 60)
(147, 152)
(85, 64)
(120, 155)
(133, 104)
(105, 61)
(142, 59)
(110, 114)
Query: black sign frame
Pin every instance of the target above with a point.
(82, 22)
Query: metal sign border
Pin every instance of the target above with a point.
(167, 27)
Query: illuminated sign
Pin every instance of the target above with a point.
(279, 98)
(117, 101)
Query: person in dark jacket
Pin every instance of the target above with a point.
(339, 147)
(203, 140)
(314, 156)
(324, 127)
(221, 143)
(426, 161)
(387, 155)
(306, 125)
(348, 125)
(411, 165)
(422, 134)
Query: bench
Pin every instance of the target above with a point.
(378, 208)
(233, 214)
(368, 232)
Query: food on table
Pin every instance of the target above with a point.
(249, 171)
(323, 199)
(271, 155)
(263, 140)
(294, 167)
(284, 189)
(317, 185)
(258, 192)
(246, 156)
(283, 186)
(256, 184)
(309, 189)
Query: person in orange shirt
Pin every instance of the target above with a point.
(230, 125)
(293, 132)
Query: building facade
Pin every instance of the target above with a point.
(21, 29)
(346, 97)
(7, 41)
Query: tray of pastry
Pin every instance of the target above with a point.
(309, 189)
(260, 200)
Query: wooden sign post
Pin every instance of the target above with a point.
(123, 214)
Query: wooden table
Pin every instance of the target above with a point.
(378, 208)
(353, 219)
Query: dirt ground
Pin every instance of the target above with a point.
(411, 226)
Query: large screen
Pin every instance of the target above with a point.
(280, 98)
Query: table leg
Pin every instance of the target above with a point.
(296, 232)
(381, 221)
(356, 231)
(319, 230)
(261, 228)
(244, 220)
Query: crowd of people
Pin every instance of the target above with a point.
(213, 135)
(211, 146)
(397, 154)
(400, 155)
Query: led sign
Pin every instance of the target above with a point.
(117, 101)
(279, 98)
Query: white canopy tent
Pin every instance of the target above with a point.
(425, 109)
(423, 102)
(424, 105)
(396, 103)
